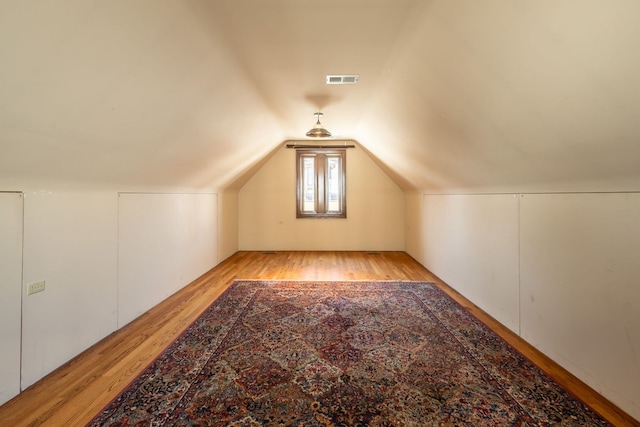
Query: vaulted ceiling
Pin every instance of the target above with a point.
(453, 95)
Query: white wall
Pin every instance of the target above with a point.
(580, 299)
(70, 242)
(415, 239)
(10, 285)
(105, 258)
(267, 210)
(165, 242)
(472, 243)
(227, 224)
(560, 269)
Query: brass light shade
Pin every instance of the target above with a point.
(318, 131)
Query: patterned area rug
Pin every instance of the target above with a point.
(342, 354)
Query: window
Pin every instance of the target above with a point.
(321, 183)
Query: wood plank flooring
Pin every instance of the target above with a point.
(74, 393)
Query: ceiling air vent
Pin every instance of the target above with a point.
(342, 79)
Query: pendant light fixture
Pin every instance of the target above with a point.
(318, 131)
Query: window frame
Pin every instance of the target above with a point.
(321, 195)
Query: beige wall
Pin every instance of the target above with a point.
(267, 210)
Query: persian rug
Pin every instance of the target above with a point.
(292, 353)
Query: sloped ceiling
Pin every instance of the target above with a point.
(454, 95)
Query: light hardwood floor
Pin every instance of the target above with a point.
(74, 393)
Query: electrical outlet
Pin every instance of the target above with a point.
(35, 287)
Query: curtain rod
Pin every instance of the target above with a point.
(296, 146)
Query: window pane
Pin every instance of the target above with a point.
(320, 185)
(308, 184)
(334, 185)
